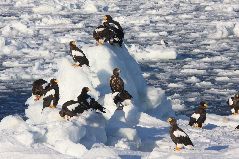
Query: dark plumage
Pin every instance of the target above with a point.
(87, 102)
(116, 83)
(78, 55)
(51, 95)
(116, 28)
(38, 88)
(120, 97)
(69, 108)
(84, 99)
(237, 127)
(103, 34)
(178, 136)
(73, 108)
(233, 103)
(110, 31)
(199, 116)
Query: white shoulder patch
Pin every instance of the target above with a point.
(88, 100)
(233, 110)
(73, 106)
(99, 29)
(76, 53)
(51, 92)
(195, 116)
(179, 133)
(230, 101)
(44, 85)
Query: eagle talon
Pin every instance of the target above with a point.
(196, 125)
(177, 149)
(52, 106)
(75, 65)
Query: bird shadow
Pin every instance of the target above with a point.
(217, 148)
(210, 126)
(149, 137)
(103, 76)
(130, 157)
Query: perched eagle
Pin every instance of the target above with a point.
(51, 95)
(116, 83)
(103, 34)
(178, 136)
(78, 55)
(199, 116)
(233, 103)
(115, 27)
(73, 108)
(70, 108)
(38, 88)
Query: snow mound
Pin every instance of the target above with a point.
(46, 9)
(16, 28)
(78, 136)
(153, 53)
(90, 7)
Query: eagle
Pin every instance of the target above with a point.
(51, 95)
(199, 116)
(38, 88)
(84, 102)
(178, 136)
(116, 83)
(78, 55)
(233, 103)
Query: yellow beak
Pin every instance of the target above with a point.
(104, 18)
(74, 42)
(169, 120)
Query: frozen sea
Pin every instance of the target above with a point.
(34, 37)
(204, 34)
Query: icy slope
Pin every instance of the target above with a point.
(114, 128)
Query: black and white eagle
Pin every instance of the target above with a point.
(117, 85)
(199, 116)
(233, 103)
(178, 136)
(109, 31)
(87, 102)
(78, 55)
(115, 27)
(103, 34)
(38, 88)
(51, 95)
(70, 108)
(84, 102)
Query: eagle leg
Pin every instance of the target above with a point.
(196, 125)
(177, 148)
(75, 65)
(52, 106)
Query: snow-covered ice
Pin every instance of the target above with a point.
(200, 62)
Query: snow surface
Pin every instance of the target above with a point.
(34, 44)
(78, 136)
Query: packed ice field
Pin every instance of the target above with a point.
(199, 63)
